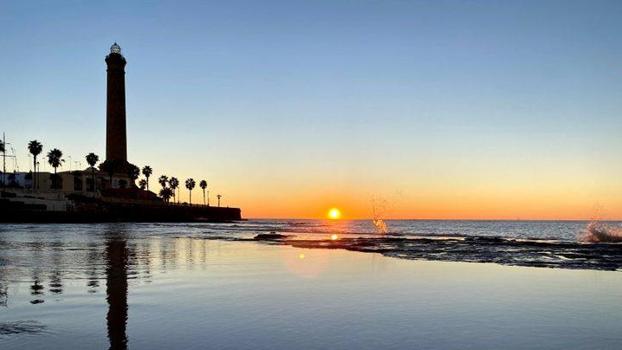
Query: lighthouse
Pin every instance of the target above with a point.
(116, 136)
(121, 173)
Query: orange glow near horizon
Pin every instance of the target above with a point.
(426, 198)
(489, 193)
(490, 202)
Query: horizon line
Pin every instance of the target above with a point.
(428, 219)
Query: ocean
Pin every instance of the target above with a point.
(567, 231)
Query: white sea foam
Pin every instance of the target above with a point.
(599, 232)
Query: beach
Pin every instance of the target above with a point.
(132, 286)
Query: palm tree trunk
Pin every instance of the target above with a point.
(203, 196)
(190, 196)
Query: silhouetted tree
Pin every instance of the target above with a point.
(142, 184)
(190, 185)
(203, 185)
(55, 158)
(166, 194)
(219, 196)
(174, 183)
(92, 159)
(163, 180)
(147, 171)
(35, 148)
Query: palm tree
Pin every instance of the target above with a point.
(147, 171)
(142, 184)
(110, 167)
(174, 183)
(219, 196)
(163, 180)
(190, 185)
(35, 148)
(166, 193)
(203, 185)
(92, 159)
(133, 172)
(55, 158)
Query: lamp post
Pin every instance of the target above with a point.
(37, 169)
(3, 159)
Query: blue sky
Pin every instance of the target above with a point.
(331, 101)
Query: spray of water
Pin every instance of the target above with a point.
(379, 207)
(596, 232)
(381, 226)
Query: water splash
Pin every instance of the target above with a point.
(380, 225)
(378, 207)
(599, 232)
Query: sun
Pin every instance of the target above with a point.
(334, 214)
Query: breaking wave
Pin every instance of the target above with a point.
(597, 232)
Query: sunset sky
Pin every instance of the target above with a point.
(411, 109)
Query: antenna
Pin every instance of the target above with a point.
(3, 158)
(14, 156)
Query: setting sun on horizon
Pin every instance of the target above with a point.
(334, 214)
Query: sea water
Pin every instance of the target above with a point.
(196, 286)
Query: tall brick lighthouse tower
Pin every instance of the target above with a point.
(116, 138)
(116, 164)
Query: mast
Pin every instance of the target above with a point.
(3, 160)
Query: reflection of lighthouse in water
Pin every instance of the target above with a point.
(116, 290)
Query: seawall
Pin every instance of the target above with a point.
(99, 211)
